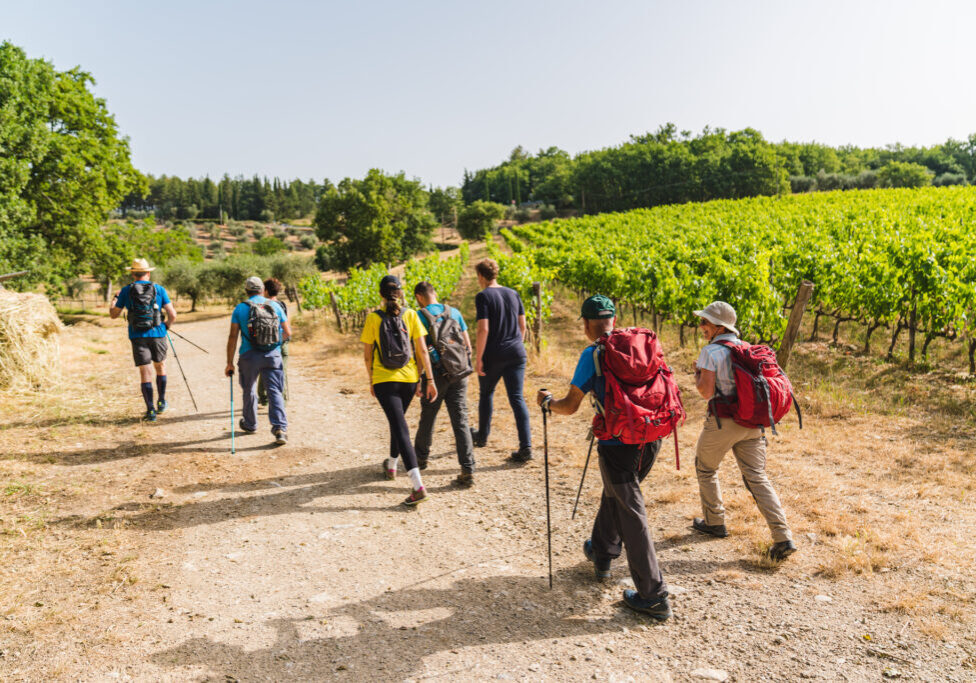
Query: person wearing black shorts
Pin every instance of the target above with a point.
(149, 345)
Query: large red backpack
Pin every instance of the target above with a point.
(642, 401)
(763, 391)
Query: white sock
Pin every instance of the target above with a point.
(392, 463)
(415, 479)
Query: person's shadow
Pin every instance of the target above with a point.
(387, 637)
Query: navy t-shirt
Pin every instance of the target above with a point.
(501, 307)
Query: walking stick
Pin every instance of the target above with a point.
(545, 447)
(188, 341)
(589, 452)
(180, 366)
(232, 450)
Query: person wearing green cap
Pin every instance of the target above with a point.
(621, 522)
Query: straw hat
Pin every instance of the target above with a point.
(140, 265)
(721, 314)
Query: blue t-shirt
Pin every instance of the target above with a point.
(241, 313)
(162, 298)
(435, 310)
(586, 380)
(501, 307)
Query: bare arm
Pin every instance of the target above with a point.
(705, 383)
(467, 340)
(482, 342)
(170, 310)
(235, 330)
(420, 346)
(567, 405)
(368, 360)
(286, 326)
(521, 323)
(114, 311)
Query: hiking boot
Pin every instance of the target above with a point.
(465, 480)
(389, 468)
(244, 427)
(416, 498)
(658, 608)
(161, 406)
(716, 530)
(780, 551)
(521, 455)
(150, 416)
(601, 568)
(476, 440)
(280, 435)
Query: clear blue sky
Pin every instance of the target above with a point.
(317, 89)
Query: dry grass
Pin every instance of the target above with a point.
(29, 342)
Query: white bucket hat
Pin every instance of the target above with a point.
(719, 313)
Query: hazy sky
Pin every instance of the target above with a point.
(319, 89)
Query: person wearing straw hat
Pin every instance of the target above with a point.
(145, 302)
(249, 320)
(713, 376)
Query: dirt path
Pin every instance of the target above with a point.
(297, 563)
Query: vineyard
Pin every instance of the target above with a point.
(899, 260)
(359, 294)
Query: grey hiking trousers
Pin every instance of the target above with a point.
(455, 395)
(622, 518)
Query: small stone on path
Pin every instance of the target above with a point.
(158, 493)
(710, 674)
(823, 598)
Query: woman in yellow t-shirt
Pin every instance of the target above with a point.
(394, 388)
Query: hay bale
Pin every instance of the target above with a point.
(30, 349)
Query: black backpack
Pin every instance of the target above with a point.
(144, 313)
(447, 338)
(393, 341)
(263, 327)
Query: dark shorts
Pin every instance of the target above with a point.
(148, 350)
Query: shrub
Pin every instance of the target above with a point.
(280, 233)
(802, 183)
(547, 212)
(307, 241)
(479, 216)
(904, 174)
(267, 215)
(947, 179)
(269, 245)
(866, 180)
(325, 257)
(258, 231)
(216, 246)
(237, 230)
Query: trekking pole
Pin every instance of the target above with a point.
(586, 464)
(180, 366)
(188, 341)
(232, 450)
(545, 450)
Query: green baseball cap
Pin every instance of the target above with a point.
(598, 307)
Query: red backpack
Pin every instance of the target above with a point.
(763, 391)
(642, 401)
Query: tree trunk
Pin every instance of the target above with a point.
(925, 346)
(894, 339)
(681, 335)
(837, 328)
(972, 356)
(867, 337)
(816, 324)
(193, 303)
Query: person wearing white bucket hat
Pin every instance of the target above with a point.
(146, 302)
(714, 376)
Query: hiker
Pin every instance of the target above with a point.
(714, 380)
(271, 288)
(263, 327)
(500, 354)
(447, 332)
(392, 337)
(145, 302)
(622, 518)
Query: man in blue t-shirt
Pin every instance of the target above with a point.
(254, 361)
(146, 302)
(455, 393)
(622, 519)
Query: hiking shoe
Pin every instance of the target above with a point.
(389, 468)
(245, 428)
(780, 551)
(476, 440)
(465, 480)
(601, 568)
(150, 416)
(716, 530)
(416, 498)
(521, 455)
(280, 435)
(658, 608)
(161, 406)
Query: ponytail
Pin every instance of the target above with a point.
(393, 307)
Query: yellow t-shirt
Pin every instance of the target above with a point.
(408, 373)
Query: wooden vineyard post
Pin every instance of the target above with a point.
(335, 309)
(537, 323)
(793, 326)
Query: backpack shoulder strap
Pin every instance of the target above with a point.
(432, 324)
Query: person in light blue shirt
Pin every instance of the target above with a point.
(255, 360)
(147, 331)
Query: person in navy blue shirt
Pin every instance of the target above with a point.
(255, 361)
(621, 522)
(148, 346)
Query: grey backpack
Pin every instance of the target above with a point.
(263, 327)
(447, 338)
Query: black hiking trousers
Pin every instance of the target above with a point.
(395, 398)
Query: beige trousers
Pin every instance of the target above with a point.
(749, 447)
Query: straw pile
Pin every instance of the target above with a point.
(29, 342)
